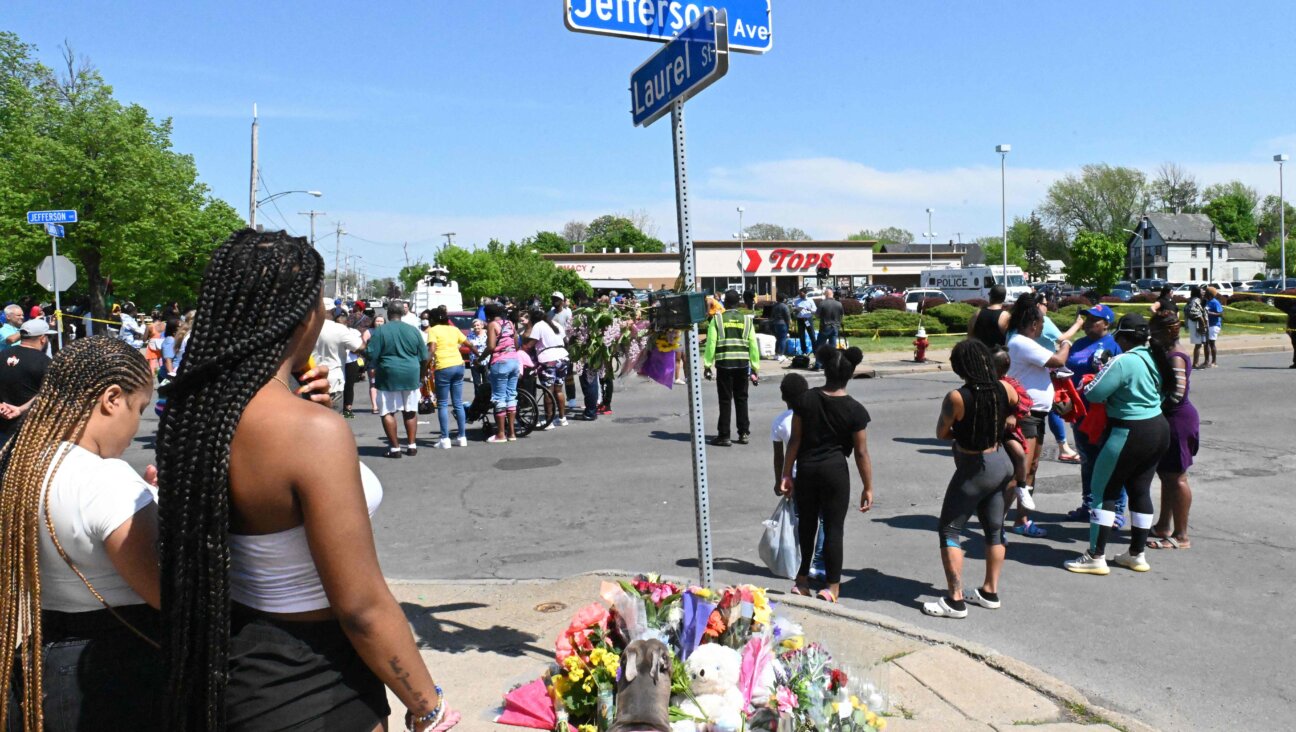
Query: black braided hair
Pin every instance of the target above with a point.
(838, 365)
(256, 292)
(1164, 329)
(974, 363)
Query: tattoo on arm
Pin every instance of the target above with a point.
(403, 677)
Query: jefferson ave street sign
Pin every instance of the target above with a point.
(684, 67)
(51, 217)
(750, 29)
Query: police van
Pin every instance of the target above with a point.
(967, 283)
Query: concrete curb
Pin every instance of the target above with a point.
(1042, 682)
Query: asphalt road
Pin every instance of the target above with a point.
(1203, 641)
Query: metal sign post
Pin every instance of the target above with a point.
(688, 267)
(51, 219)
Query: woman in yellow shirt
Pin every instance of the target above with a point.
(444, 340)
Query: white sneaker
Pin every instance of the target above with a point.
(551, 426)
(1136, 562)
(462, 441)
(1024, 497)
(563, 422)
(1087, 564)
(443, 443)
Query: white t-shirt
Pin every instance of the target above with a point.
(412, 319)
(550, 346)
(1028, 359)
(781, 431)
(335, 342)
(561, 318)
(89, 498)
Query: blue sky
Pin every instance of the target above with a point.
(489, 118)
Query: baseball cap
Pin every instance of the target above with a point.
(35, 328)
(1133, 323)
(559, 295)
(36, 312)
(1100, 311)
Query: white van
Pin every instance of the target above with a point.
(966, 283)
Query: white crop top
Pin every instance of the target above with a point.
(275, 573)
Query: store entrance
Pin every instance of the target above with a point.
(787, 285)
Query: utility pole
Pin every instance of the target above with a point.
(252, 184)
(449, 235)
(406, 247)
(312, 214)
(337, 261)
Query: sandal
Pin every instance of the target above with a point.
(941, 609)
(801, 591)
(1072, 459)
(1167, 542)
(826, 595)
(1030, 529)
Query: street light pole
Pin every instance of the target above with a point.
(1003, 151)
(742, 235)
(337, 261)
(252, 184)
(312, 214)
(1282, 223)
(931, 236)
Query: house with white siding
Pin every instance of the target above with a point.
(1180, 248)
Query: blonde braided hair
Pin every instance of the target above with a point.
(76, 379)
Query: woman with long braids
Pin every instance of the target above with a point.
(505, 370)
(1133, 386)
(974, 417)
(78, 555)
(277, 611)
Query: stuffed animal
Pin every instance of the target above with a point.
(715, 671)
(643, 691)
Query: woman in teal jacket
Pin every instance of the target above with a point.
(1132, 386)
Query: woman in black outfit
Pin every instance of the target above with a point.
(827, 426)
(990, 324)
(1165, 302)
(975, 417)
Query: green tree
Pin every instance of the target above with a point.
(1174, 190)
(410, 275)
(1273, 255)
(1268, 225)
(992, 253)
(618, 231)
(883, 236)
(146, 223)
(774, 232)
(547, 242)
(1232, 188)
(1097, 260)
(513, 269)
(1102, 198)
(1234, 216)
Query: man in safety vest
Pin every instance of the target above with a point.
(732, 349)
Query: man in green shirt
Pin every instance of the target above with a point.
(399, 357)
(732, 349)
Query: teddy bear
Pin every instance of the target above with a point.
(714, 670)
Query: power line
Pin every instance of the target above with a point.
(282, 218)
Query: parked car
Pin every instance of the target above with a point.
(1224, 288)
(1183, 290)
(1150, 284)
(1244, 285)
(917, 295)
(1123, 294)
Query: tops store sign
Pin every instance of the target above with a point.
(789, 260)
(750, 28)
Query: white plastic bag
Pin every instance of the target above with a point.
(779, 546)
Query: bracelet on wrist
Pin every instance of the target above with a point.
(413, 721)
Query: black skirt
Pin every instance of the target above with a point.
(298, 676)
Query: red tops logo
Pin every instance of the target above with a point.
(791, 260)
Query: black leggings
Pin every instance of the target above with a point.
(822, 494)
(1129, 457)
(352, 375)
(976, 488)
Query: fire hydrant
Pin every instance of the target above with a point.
(920, 345)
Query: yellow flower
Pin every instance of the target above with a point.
(881, 724)
(587, 728)
(596, 657)
(588, 686)
(561, 685)
(702, 592)
(795, 643)
(870, 718)
(855, 701)
(572, 662)
(612, 662)
(761, 615)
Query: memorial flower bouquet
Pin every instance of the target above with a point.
(785, 682)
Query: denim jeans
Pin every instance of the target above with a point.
(449, 389)
(504, 384)
(780, 338)
(1057, 426)
(806, 334)
(589, 382)
(827, 336)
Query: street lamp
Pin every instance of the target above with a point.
(1003, 151)
(281, 194)
(741, 236)
(931, 236)
(1282, 222)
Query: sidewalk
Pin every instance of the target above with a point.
(481, 638)
(898, 363)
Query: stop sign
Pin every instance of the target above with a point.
(52, 266)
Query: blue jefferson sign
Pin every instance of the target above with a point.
(51, 217)
(684, 67)
(750, 29)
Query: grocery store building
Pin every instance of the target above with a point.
(767, 266)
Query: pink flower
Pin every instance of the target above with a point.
(590, 616)
(787, 701)
(661, 592)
